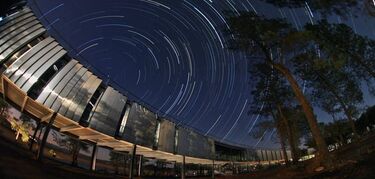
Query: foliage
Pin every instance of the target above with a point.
(344, 48)
(272, 43)
(21, 128)
(336, 134)
(117, 159)
(71, 144)
(366, 120)
(3, 110)
(325, 7)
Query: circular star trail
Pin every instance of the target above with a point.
(170, 56)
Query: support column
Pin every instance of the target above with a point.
(183, 167)
(34, 135)
(45, 136)
(132, 162)
(93, 157)
(213, 169)
(261, 152)
(276, 158)
(140, 165)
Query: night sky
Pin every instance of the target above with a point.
(171, 56)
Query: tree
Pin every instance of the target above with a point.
(266, 37)
(3, 109)
(73, 145)
(336, 133)
(332, 89)
(325, 7)
(270, 92)
(335, 65)
(117, 160)
(366, 121)
(343, 46)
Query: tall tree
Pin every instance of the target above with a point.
(265, 37)
(270, 92)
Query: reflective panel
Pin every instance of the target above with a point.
(11, 35)
(56, 80)
(166, 136)
(20, 61)
(28, 68)
(28, 84)
(68, 87)
(107, 113)
(71, 97)
(29, 73)
(85, 95)
(13, 19)
(193, 144)
(20, 41)
(55, 94)
(140, 126)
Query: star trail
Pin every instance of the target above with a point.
(171, 56)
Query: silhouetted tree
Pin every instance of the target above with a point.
(366, 120)
(269, 41)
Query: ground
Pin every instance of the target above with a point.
(17, 162)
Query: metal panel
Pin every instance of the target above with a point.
(12, 19)
(29, 83)
(166, 136)
(29, 73)
(21, 42)
(140, 126)
(16, 27)
(107, 113)
(193, 144)
(77, 98)
(68, 88)
(12, 33)
(51, 85)
(87, 92)
(25, 69)
(16, 35)
(60, 86)
(16, 65)
(73, 93)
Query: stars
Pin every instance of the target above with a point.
(169, 55)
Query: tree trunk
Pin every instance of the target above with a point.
(281, 137)
(283, 149)
(292, 144)
(323, 154)
(351, 121)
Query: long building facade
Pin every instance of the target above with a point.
(41, 68)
